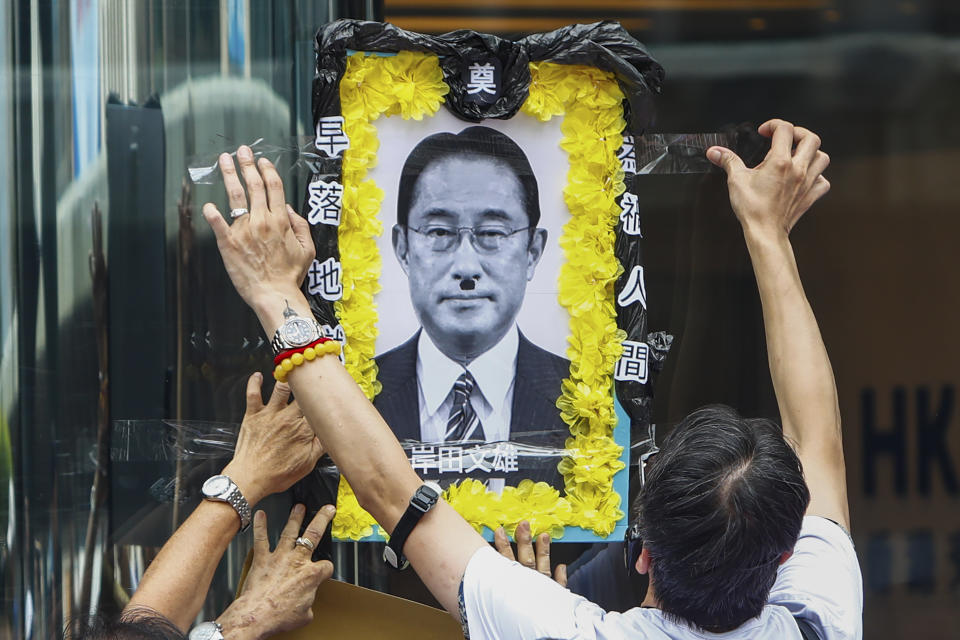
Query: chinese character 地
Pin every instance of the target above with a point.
(481, 79)
(628, 155)
(632, 364)
(326, 201)
(635, 290)
(331, 138)
(630, 214)
(324, 278)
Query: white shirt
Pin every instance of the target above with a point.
(492, 397)
(821, 582)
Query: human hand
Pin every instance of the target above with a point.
(771, 197)
(276, 446)
(281, 586)
(537, 558)
(266, 252)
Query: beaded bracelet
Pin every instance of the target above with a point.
(321, 347)
(286, 353)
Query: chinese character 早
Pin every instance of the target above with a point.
(331, 138)
(323, 278)
(630, 214)
(326, 202)
(635, 290)
(481, 79)
(632, 365)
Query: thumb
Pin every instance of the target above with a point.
(725, 159)
(214, 218)
(301, 229)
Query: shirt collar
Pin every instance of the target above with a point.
(492, 370)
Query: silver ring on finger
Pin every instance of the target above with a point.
(239, 211)
(306, 543)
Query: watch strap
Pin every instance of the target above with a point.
(241, 506)
(421, 502)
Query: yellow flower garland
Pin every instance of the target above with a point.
(411, 84)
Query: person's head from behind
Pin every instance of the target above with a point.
(138, 623)
(467, 236)
(721, 510)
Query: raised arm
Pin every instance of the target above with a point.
(768, 200)
(266, 253)
(275, 448)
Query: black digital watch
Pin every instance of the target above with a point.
(421, 502)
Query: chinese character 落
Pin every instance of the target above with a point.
(451, 460)
(635, 290)
(628, 155)
(505, 457)
(326, 201)
(632, 364)
(423, 458)
(481, 79)
(330, 136)
(630, 214)
(324, 278)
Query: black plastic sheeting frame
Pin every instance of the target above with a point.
(604, 45)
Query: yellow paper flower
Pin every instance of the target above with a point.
(411, 85)
(351, 522)
(416, 82)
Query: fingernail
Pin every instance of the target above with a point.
(244, 152)
(299, 508)
(257, 375)
(330, 509)
(224, 157)
(714, 155)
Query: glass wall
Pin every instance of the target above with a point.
(121, 340)
(111, 342)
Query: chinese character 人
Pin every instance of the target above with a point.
(635, 290)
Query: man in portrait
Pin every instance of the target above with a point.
(467, 238)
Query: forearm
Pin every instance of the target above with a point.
(802, 376)
(350, 428)
(176, 583)
(799, 365)
(369, 456)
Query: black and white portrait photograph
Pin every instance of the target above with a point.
(472, 340)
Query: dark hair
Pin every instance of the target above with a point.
(472, 142)
(724, 499)
(139, 623)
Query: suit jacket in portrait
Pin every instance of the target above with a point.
(534, 417)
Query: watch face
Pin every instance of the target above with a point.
(205, 631)
(216, 485)
(298, 332)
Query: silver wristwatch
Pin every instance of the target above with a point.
(296, 331)
(206, 631)
(222, 489)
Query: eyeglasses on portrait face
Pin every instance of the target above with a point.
(485, 238)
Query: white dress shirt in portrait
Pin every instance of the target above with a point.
(492, 396)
